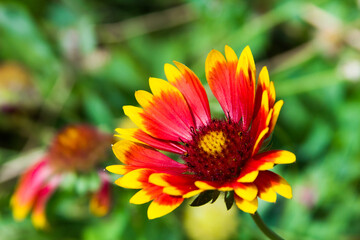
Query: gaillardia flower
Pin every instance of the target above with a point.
(211, 155)
(76, 148)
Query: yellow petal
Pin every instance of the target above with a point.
(272, 93)
(158, 209)
(264, 79)
(158, 179)
(141, 197)
(261, 135)
(268, 195)
(204, 186)
(247, 206)
(246, 191)
(269, 117)
(19, 211)
(120, 149)
(230, 54)
(192, 193)
(266, 166)
(283, 188)
(127, 134)
(39, 221)
(277, 107)
(131, 180)
(172, 73)
(248, 178)
(97, 209)
(134, 113)
(159, 86)
(246, 62)
(173, 191)
(285, 157)
(226, 189)
(213, 58)
(117, 169)
(143, 98)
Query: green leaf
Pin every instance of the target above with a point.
(229, 199)
(215, 196)
(205, 197)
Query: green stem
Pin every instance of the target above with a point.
(267, 231)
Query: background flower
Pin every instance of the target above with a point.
(75, 149)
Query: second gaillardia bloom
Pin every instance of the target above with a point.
(212, 154)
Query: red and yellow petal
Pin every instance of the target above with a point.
(136, 179)
(275, 114)
(266, 192)
(146, 194)
(269, 183)
(165, 114)
(175, 185)
(280, 185)
(260, 138)
(260, 122)
(163, 205)
(276, 156)
(38, 216)
(247, 191)
(264, 84)
(28, 188)
(212, 185)
(245, 77)
(245, 205)
(120, 169)
(220, 74)
(136, 115)
(194, 92)
(142, 156)
(139, 136)
(101, 199)
(248, 175)
(251, 170)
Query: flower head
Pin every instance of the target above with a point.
(75, 148)
(78, 148)
(212, 154)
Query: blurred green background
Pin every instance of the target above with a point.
(75, 61)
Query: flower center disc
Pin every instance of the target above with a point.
(218, 151)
